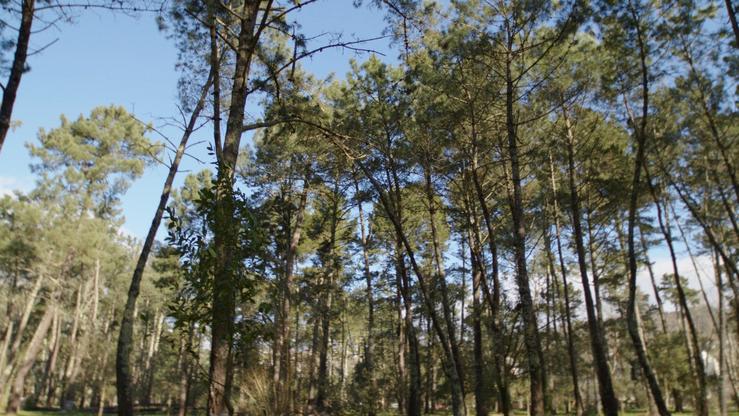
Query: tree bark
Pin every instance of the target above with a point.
(493, 299)
(732, 17)
(456, 357)
(223, 233)
(664, 225)
(597, 340)
(369, 345)
(537, 373)
(29, 358)
(18, 67)
(124, 347)
(641, 138)
(653, 281)
(723, 367)
(326, 309)
(282, 371)
(481, 395)
(572, 355)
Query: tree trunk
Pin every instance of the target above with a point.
(481, 395)
(537, 373)
(412, 358)
(17, 68)
(641, 138)
(29, 358)
(48, 375)
(124, 347)
(653, 281)
(456, 367)
(223, 233)
(369, 346)
(664, 225)
(572, 355)
(426, 296)
(30, 303)
(597, 340)
(282, 370)
(493, 298)
(732, 17)
(723, 368)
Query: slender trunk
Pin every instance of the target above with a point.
(402, 390)
(652, 279)
(572, 355)
(684, 239)
(215, 65)
(102, 377)
(412, 356)
(664, 225)
(594, 270)
(413, 363)
(53, 352)
(282, 340)
(537, 373)
(4, 356)
(641, 138)
(493, 299)
(224, 234)
(312, 387)
(70, 369)
(332, 263)
(323, 376)
(17, 68)
(50, 387)
(456, 367)
(30, 303)
(481, 395)
(428, 393)
(424, 286)
(597, 340)
(369, 346)
(732, 17)
(569, 333)
(29, 358)
(723, 368)
(184, 374)
(150, 362)
(124, 346)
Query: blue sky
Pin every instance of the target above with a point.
(105, 58)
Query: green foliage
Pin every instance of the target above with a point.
(93, 158)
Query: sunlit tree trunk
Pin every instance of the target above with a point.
(124, 346)
(29, 358)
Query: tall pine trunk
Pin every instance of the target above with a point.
(537, 373)
(639, 146)
(124, 347)
(597, 340)
(18, 67)
(27, 361)
(571, 353)
(222, 325)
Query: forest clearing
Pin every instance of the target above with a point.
(369, 207)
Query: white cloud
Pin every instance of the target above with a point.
(10, 184)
